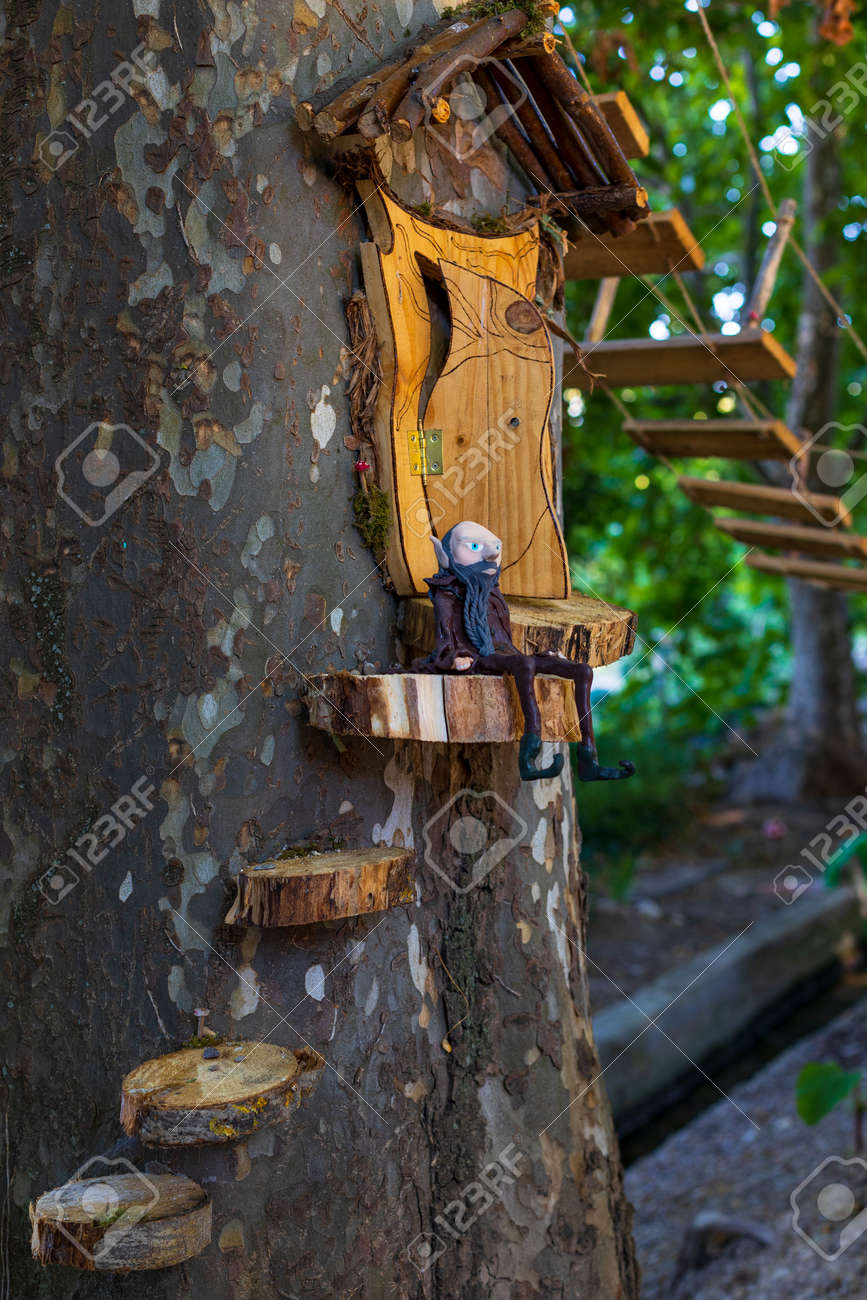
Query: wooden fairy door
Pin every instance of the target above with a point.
(488, 408)
(492, 401)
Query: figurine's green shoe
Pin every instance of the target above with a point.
(589, 769)
(529, 748)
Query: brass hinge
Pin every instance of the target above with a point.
(425, 452)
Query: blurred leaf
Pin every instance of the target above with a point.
(819, 1088)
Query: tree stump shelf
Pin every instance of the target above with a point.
(579, 627)
(451, 709)
(687, 359)
(762, 499)
(659, 243)
(822, 542)
(726, 439)
(121, 1223)
(823, 575)
(188, 1099)
(322, 887)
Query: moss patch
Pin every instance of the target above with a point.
(372, 514)
(534, 9)
(488, 225)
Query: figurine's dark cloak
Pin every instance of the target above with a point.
(452, 639)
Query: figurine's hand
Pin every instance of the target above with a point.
(462, 663)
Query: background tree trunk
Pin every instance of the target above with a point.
(182, 273)
(818, 750)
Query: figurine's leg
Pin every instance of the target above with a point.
(522, 669)
(582, 675)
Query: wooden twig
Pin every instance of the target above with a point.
(767, 276)
(438, 72)
(630, 200)
(374, 120)
(515, 93)
(340, 113)
(304, 115)
(573, 148)
(578, 105)
(512, 137)
(524, 47)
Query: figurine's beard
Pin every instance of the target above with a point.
(479, 586)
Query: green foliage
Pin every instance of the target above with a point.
(821, 1087)
(713, 652)
(856, 849)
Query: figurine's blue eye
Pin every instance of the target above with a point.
(474, 546)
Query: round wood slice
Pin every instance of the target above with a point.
(185, 1100)
(322, 887)
(121, 1222)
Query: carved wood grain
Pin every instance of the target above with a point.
(394, 280)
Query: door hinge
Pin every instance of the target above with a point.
(425, 452)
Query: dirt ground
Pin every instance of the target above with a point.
(690, 895)
(746, 1157)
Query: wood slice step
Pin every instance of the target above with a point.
(817, 540)
(187, 1099)
(628, 128)
(686, 359)
(578, 627)
(729, 439)
(825, 575)
(762, 499)
(121, 1223)
(452, 709)
(322, 887)
(660, 243)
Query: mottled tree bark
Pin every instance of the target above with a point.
(182, 273)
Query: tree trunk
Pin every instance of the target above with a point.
(159, 647)
(818, 750)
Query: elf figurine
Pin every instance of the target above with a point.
(474, 634)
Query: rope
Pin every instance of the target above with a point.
(760, 177)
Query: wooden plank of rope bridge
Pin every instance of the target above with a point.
(817, 540)
(579, 627)
(120, 1223)
(321, 887)
(762, 499)
(627, 126)
(662, 241)
(686, 359)
(730, 439)
(826, 575)
(458, 708)
(189, 1099)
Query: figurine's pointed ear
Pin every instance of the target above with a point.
(441, 553)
